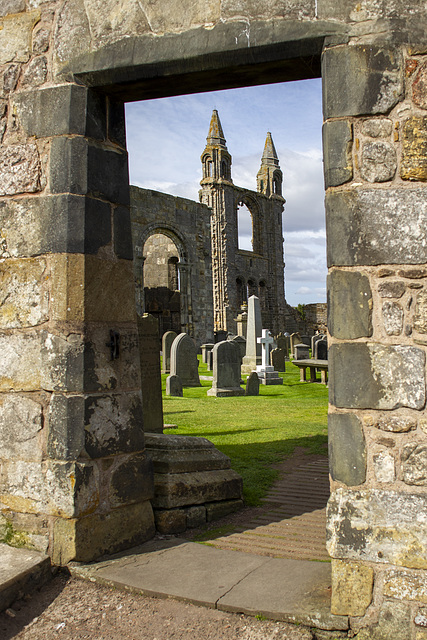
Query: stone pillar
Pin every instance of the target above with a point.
(185, 290)
(376, 203)
(75, 478)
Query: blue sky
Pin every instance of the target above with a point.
(166, 137)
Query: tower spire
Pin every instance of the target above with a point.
(215, 158)
(269, 177)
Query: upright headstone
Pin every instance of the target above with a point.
(167, 340)
(306, 340)
(277, 359)
(252, 384)
(302, 352)
(220, 335)
(226, 370)
(283, 342)
(314, 339)
(174, 386)
(208, 346)
(151, 381)
(240, 342)
(184, 361)
(295, 338)
(253, 349)
(266, 373)
(321, 350)
(242, 321)
(210, 360)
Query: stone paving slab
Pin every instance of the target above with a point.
(21, 571)
(233, 581)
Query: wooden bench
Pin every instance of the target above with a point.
(312, 364)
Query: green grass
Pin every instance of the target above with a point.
(255, 432)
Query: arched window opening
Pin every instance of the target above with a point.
(252, 289)
(224, 170)
(173, 274)
(277, 185)
(207, 167)
(244, 227)
(241, 291)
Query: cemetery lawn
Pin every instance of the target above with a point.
(256, 432)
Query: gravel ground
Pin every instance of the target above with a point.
(68, 608)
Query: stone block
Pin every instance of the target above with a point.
(62, 362)
(196, 516)
(72, 33)
(182, 460)
(252, 384)
(360, 80)
(347, 449)
(420, 314)
(15, 34)
(217, 510)
(414, 149)
(378, 161)
(55, 224)
(419, 87)
(19, 169)
(349, 305)
(41, 40)
(378, 526)
(392, 318)
(352, 586)
(414, 464)
(36, 72)
(170, 521)
(337, 152)
(86, 539)
(20, 364)
(405, 585)
(94, 426)
(64, 489)
(11, 6)
(373, 226)
(383, 377)
(151, 381)
(391, 289)
(377, 127)
(384, 467)
(76, 166)
(394, 622)
(21, 421)
(65, 110)
(117, 122)
(183, 489)
(25, 295)
(396, 424)
(132, 481)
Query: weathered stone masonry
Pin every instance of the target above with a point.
(74, 473)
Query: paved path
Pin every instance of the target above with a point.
(292, 523)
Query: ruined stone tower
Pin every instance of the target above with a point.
(238, 273)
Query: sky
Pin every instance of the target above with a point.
(166, 136)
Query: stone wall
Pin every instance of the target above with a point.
(186, 225)
(74, 477)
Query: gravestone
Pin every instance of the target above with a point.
(314, 339)
(174, 386)
(167, 340)
(240, 342)
(252, 384)
(253, 349)
(226, 370)
(302, 352)
(184, 361)
(242, 321)
(266, 373)
(220, 336)
(321, 350)
(205, 351)
(295, 338)
(210, 360)
(283, 342)
(306, 340)
(277, 359)
(151, 381)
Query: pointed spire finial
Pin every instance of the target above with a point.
(269, 155)
(216, 134)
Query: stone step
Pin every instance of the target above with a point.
(21, 572)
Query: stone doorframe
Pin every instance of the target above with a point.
(83, 489)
